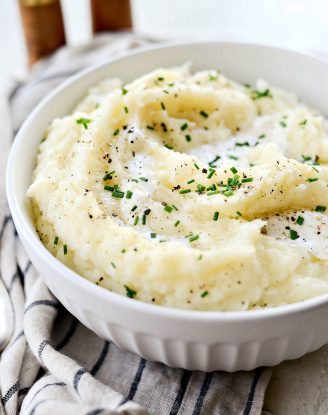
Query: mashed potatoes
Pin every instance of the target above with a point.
(188, 190)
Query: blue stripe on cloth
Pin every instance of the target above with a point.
(95, 411)
(48, 303)
(43, 344)
(6, 220)
(202, 394)
(181, 392)
(101, 359)
(135, 383)
(249, 403)
(77, 378)
(68, 335)
(10, 392)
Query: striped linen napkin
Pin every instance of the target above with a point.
(55, 365)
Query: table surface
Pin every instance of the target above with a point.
(299, 387)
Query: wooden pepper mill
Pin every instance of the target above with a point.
(110, 15)
(43, 27)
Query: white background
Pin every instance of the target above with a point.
(297, 24)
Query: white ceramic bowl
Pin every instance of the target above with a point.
(187, 339)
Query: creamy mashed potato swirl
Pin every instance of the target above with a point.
(188, 190)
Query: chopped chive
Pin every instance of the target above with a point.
(190, 181)
(196, 166)
(184, 191)
(56, 240)
(174, 207)
(200, 188)
(212, 187)
(247, 179)
(234, 170)
(65, 249)
(303, 123)
(293, 234)
(162, 105)
(184, 126)
(203, 114)
(283, 124)
(256, 94)
(211, 193)
(204, 294)
(153, 235)
(130, 292)
(312, 179)
(228, 193)
(144, 179)
(136, 220)
(212, 77)
(320, 208)
(118, 194)
(116, 131)
(134, 180)
(113, 265)
(165, 91)
(239, 213)
(176, 223)
(84, 122)
(216, 158)
(129, 194)
(109, 188)
(126, 110)
(168, 146)
(300, 220)
(170, 84)
(315, 169)
(216, 216)
(193, 238)
(233, 157)
(188, 138)
(261, 136)
(134, 208)
(150, 127)
(245, 144)
(160, 78)
(144, 218)
(168, 208)
(124, 91)
(306, 158)
(211, 173)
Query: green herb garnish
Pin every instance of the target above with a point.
(129, 194)
(216, 216)
(65, 249)
(56, 240)
(168, 208)
(203, 114)
(130, 292)
(184, 191)
(184, 126)
(204, 294)
(84, 122)
(293, 234)
(320, 208)
(116, 131)
(193, 238)
(300, 220)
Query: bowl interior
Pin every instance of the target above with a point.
(245, 63)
